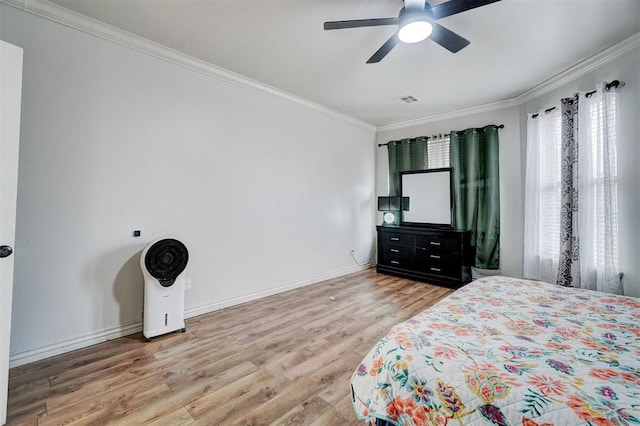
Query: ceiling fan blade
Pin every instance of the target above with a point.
(447, 38)
(452, 7)
(385, 49)
(357, 23)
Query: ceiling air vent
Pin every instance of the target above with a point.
(407, 99)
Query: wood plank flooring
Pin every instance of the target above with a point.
(282, 360)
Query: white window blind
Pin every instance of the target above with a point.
(438, 151)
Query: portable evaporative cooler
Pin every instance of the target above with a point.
(163, 264)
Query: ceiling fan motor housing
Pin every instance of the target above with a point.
(415, 23)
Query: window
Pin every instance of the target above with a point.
(600, 180)
(438, 151)
(597, 182)
(542, 196)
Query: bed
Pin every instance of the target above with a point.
(505, 351)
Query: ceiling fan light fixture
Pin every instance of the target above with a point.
(415, 31)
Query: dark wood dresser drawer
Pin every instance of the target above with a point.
(438, 264)
(397, 251)
(396, 261)
(390, 238)
(437, 242)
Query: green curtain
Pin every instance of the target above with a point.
(405, 155)
(474, 158)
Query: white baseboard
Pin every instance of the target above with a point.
(216, 306)
(17, 359)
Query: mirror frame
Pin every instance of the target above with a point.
(451, 198)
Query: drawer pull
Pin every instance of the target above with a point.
(395, 262)
(395, 251)
(394, 239)
(434, 243)
(436, 269)
(434, 256)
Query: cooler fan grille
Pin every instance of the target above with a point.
(165, 260)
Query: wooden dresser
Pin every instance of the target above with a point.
(437, 256)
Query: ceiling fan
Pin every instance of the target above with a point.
(416, 21)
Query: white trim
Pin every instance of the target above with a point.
(21, 358)
(581, 68)
(566, 76)
(447, 115)
(61, 15)
(71, 19)
(211, 307)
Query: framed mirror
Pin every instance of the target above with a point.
(430, 195)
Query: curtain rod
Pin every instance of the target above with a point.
(498, 126)
(615, 84)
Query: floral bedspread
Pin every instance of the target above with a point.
(505, 351)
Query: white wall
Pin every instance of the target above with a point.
(511, 200)
(266, 194)
(626, 68)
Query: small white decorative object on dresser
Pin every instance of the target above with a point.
(164, 262)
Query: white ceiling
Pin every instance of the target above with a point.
(515, 45)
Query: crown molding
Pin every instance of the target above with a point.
(558, 80)
(71, 19)
(448, 115)
(581, 68)
(66, 17)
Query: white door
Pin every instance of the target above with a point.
(10, 96)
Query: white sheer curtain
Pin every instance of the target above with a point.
(597, 245)
(542, 195)
(598, 189)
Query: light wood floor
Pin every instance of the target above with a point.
(284, 359)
